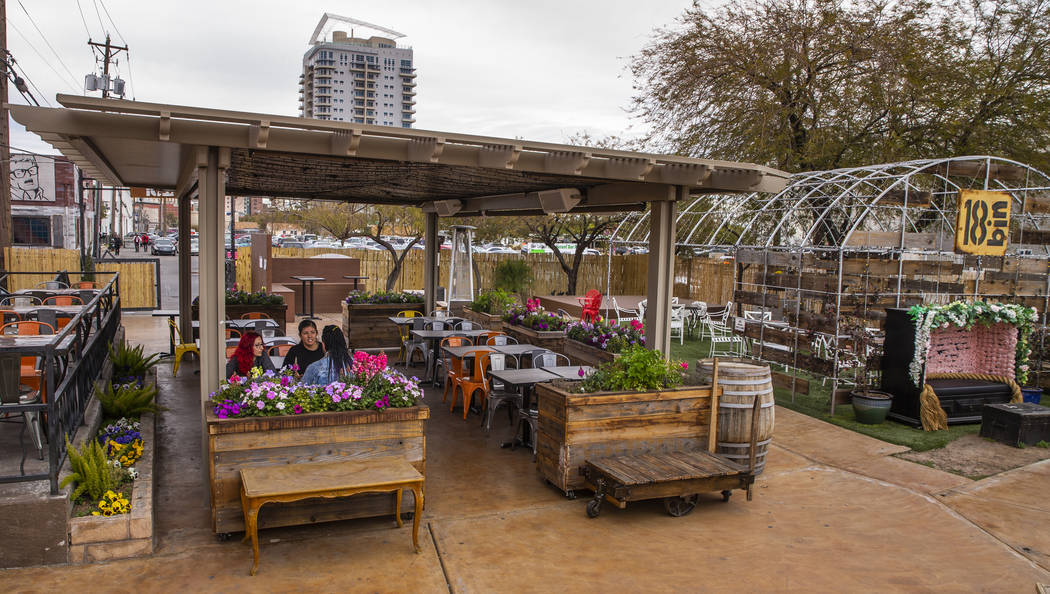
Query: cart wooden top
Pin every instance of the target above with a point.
(321, 477)
(647, 469)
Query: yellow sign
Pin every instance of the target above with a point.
(983, 225)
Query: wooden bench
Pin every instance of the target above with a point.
(294, 482)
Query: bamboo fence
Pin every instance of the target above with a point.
(137, 283)
(695, 278)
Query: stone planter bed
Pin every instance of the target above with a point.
(366, 325)
(554, 341)
(236, 443)
(575, 427)
(585, 354)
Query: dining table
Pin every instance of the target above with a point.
(524, 380)
(433, 338)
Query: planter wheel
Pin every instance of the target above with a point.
(680, 506)
(726, 494)
(594, 508)
(224, 536)
(571, 494)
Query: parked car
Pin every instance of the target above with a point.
(163, 246)
(291, 244)
(194, 246)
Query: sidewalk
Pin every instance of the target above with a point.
(834, 512)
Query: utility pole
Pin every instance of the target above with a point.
(109, 52)
(5, 148)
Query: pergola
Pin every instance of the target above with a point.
(210, 154)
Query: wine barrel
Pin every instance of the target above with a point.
(740, 383)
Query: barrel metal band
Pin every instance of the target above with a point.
(737, 444)
(751, 393)
(744, 382)
(738, 405)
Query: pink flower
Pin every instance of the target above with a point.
(582, 372)
(685, 366)
(260, 405)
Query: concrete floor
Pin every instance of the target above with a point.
(834, 511)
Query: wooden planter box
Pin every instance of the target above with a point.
(576, 427)
(485, 320)
(316, 437)
(367, 326)
(585, 354)
(554, 341)
(279, 313)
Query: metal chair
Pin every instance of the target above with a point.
(51, 285)
(723, 336)
(281, 350)
(12, 394)
(678, 322)
(451, 365)
(500, 339)
(410, 345)
(181, 348)
(545, 358)
(20, 301)
(498, 395)
(464, 325)
(758, 315)
(7, 316)
(472, 380)
(256, 315)
(624, 314)
(63, 300)
(591, 304)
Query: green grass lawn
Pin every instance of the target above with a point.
(817, 404)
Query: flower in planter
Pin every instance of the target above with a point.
(112, 504)
(382, 297)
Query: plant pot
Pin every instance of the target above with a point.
(871, 406)
(1031, 394)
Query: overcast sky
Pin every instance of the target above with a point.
(542, 70)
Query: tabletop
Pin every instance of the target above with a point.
(515, 349)
(403, 321)
(461, 351)
(437, 334)
(308, 278)
(522, 377)
(571, 372)
(19, 343)
(70, 310)
(283, 479)
(165, 313)
(353, 277)
(54, 291)
(243, 323)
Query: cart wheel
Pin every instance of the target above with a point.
(571, 494)
(726, 494)
(680, 506)
(224, 536)
(594, 507)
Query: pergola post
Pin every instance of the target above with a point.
(185, 281)
(431, 251)
(661, 271)
(212, 163)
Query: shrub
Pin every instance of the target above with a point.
(492, 302)
(260, 297)
(381, 297)
(92, 472)
(129, 363)
(531, 315)
(513, 276)
(608, 337)
(128, 400)
(637, 369)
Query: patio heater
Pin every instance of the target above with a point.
(461, 270)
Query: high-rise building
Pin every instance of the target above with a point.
(350, 78)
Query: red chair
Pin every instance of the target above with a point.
(451, 364)
(475, 381)
(591, 303)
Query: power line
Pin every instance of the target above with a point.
(99, 15)
(15, 64)
(83, 20)
(37, 52)
(110, 21)
(42, 36)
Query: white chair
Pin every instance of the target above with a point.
(724, 340)
(623, 314)
(697, 312)
(678, 322)
(642, 305)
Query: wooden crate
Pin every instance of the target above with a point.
(575, 427)
(367, 325)
(317, 437)
(485, 320)
(554, 341)
(585, 354)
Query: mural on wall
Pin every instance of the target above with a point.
(32, 178)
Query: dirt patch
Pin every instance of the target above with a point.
(975, 457)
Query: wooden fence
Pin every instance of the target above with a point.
(695, 278)
(137, 279)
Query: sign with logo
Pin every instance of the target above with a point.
(32, 178)
(982, 227)
(137, 192)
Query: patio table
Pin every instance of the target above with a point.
(434, 337)
(356, 278)
(171, 314)
(515, 350)
(525, 380)
(570, 372)
(311, 280)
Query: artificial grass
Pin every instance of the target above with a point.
(817, 404)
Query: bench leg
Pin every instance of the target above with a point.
(397, 507)
(417, 492)
(252, 527)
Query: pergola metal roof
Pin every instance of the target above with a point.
(128, 143)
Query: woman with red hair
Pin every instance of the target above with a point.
(249, 354)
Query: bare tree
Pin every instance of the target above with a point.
(580, 229)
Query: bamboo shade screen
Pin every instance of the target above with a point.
(137, 283)
(695, 278)
(32, 259)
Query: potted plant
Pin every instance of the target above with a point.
(870, 406)
(594, 343)
(365, 316)
(639, 403)
(513, 276)
(488, 307)
(240, 302)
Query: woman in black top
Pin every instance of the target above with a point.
(308, 350)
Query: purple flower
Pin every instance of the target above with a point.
(582, 372)
(260, 405)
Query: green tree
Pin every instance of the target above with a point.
(820, 84)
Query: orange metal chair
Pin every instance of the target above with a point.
(232, 333)
(477, 380)
(8, 316)
(230, 350)
(256, 315)
(85, 285)
(29, 374)
(280, 350)
(591, 303)
(63, 300)
(499, 338)
(451, 364)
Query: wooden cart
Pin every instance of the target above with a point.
(676, 477)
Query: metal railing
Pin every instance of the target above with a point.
(72, 362)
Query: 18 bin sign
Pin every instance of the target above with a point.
(983, 225)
